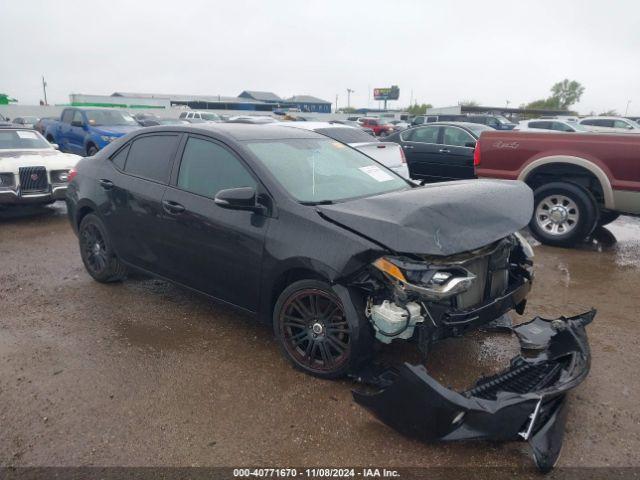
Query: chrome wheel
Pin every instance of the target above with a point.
(557, 215)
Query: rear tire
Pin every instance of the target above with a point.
(97, 253)
(563, 214)
(314, 332)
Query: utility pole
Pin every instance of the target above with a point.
(508, 102)
(349, 92)
(626, 110)
(44, 88)
(336, 103)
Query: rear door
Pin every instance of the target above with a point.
(135, 187)
(421, 149)
(209, 248)
(76, 133)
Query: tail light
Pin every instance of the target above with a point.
(402, 156)
(476, 154)
(71, 175)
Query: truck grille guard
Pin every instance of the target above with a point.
(525, 402)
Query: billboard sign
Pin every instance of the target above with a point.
(391, 93)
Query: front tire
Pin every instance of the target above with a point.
(97, 253)
(91, 150)
(315, 333)
(563, 214)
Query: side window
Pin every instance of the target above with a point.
(77, 117)
(120, 158)
(587, 122)
(183, 115)
(425, 135)
(207, 168)
(620, 124)
(150, 157)
(197, 115)
(457, 137)
(561, 127)
(67, 115)
(543, 125)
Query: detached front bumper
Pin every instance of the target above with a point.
(525, 402)
(15, 197)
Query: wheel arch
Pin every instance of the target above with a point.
(541, 165)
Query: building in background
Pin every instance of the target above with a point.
(307, 103)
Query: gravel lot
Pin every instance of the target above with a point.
(145, 373)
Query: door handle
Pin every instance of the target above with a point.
(106, 184)
(407, 147)
(172, 207)
(444, 150)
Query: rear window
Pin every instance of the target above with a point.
(150, 157)
(346, 135)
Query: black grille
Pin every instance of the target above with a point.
(519, 379)
(33, 179)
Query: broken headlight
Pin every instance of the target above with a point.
(525, 245)
(432, 282)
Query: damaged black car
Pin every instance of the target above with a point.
(333, 249)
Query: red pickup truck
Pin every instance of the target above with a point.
(579, 180)
(380, 127)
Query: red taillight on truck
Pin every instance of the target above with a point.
(476, 154)
(71, 175)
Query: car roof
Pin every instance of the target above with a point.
(603, 118)
(316, 125)
(467, 125)
(239, 131)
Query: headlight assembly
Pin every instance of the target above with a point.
(526, 246)
(107, 138)
(432, 282)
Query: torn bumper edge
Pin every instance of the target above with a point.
(527, 401)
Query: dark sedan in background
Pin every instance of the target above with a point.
(440, 151)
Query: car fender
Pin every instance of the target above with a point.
(589, 165)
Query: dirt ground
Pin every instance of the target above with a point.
(145, 373)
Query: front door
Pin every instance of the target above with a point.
(420, 146)
(209, 248)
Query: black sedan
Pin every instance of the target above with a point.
(440, 151)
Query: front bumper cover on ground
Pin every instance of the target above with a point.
(525, 402)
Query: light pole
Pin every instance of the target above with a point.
(44, 88)
(626, 110)
(349, 92)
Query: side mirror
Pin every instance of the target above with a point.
(77, 123)
(470, 144)
(56, 146)
(243, 198)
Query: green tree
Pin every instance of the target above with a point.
(419, 109)
(567, 92)
(348, 110)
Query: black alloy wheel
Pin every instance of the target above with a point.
(96, 252)
(313, 330)
(94, 249)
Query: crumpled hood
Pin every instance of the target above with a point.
(116, 130)
(438, 219)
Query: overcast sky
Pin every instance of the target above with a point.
(487, 51)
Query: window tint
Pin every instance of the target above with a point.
(587, 122)
(183, 115)
(77, 117)
(150, 157)
(120, 158)
(67, 115)
(424, 135)
(457, 137)
(207, 168)
(620, 124)
(544, 125)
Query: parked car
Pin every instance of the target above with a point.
(355, 124)
(497, 122)
(42, 124)
(387, 153)
(610, 124)
(553, 125)
(152, 122)
(195, 115)
(380, 127)
(84, 131)
(579, 181)
(141, 117)
(440, 151)
(26, 122)
(422, 119)
(255, 119)
(336, 253)
(399, 125)
(32, 171)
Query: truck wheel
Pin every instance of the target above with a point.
(91, 150)
(607, 217)
(563, 214)
(97, 253)
(315, 333)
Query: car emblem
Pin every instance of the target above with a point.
(34, 176)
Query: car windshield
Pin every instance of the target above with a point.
(21, 139)
(211, 116)
(503, 120)
(97, 118)
(29, 119)
(324, 171)
(346, 134)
